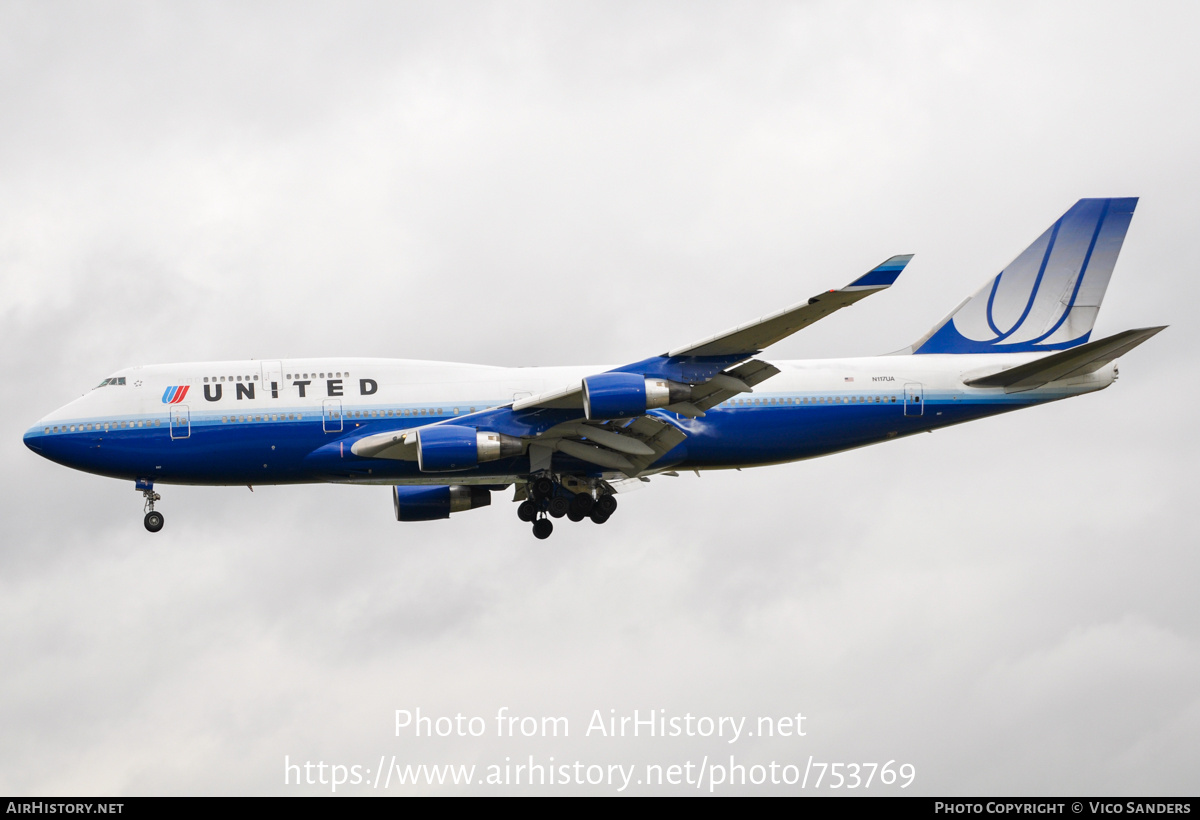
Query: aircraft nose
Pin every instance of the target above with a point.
(52, 441)
(33, 439)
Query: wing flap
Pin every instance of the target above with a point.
(594, 455)
(629, 446)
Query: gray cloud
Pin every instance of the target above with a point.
(1008, 605)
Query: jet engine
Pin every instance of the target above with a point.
(448, 447)
(622, 395)
(432, 503)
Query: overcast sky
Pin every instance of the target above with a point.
(1009, 605)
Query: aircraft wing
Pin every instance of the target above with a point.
(756, 336)
(628, 445)
(710, 371)
(748, 339)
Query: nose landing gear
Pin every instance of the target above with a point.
(153, 520)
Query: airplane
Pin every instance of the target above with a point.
(446, 436)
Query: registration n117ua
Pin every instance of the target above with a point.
(564, 440)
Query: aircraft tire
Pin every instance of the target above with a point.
(582, 503)
(527, 511)
(542, 488)
(575, 515)
(559, 506)
(598, 515)
(542, 528)
(607, 504)
(153, 521)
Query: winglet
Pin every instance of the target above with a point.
(882, 276)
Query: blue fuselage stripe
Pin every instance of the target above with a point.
(776, 429)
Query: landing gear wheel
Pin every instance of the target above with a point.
(606, 504)
(542, 528)
(575, 515)
(598, 515)
(154, 521)
(527, 511)
(581, 505)
(559, 506)
(542, 487)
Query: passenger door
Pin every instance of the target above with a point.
(331, 415)
(181, 421)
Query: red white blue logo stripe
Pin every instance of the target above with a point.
(174, 394)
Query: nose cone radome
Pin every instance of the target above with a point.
(48, 442)
(33, 439)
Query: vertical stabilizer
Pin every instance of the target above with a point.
(1048, 297)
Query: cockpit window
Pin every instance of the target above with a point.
(115, 380)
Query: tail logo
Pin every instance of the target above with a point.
(174, 394)
(1048, 298)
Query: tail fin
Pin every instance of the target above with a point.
(1048, 297)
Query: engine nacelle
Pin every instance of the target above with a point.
(448, 447)
(622, 395)
(432, 503)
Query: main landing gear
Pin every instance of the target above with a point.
(548, 498)
(153, 520)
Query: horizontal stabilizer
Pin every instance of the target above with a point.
(1077, 361)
